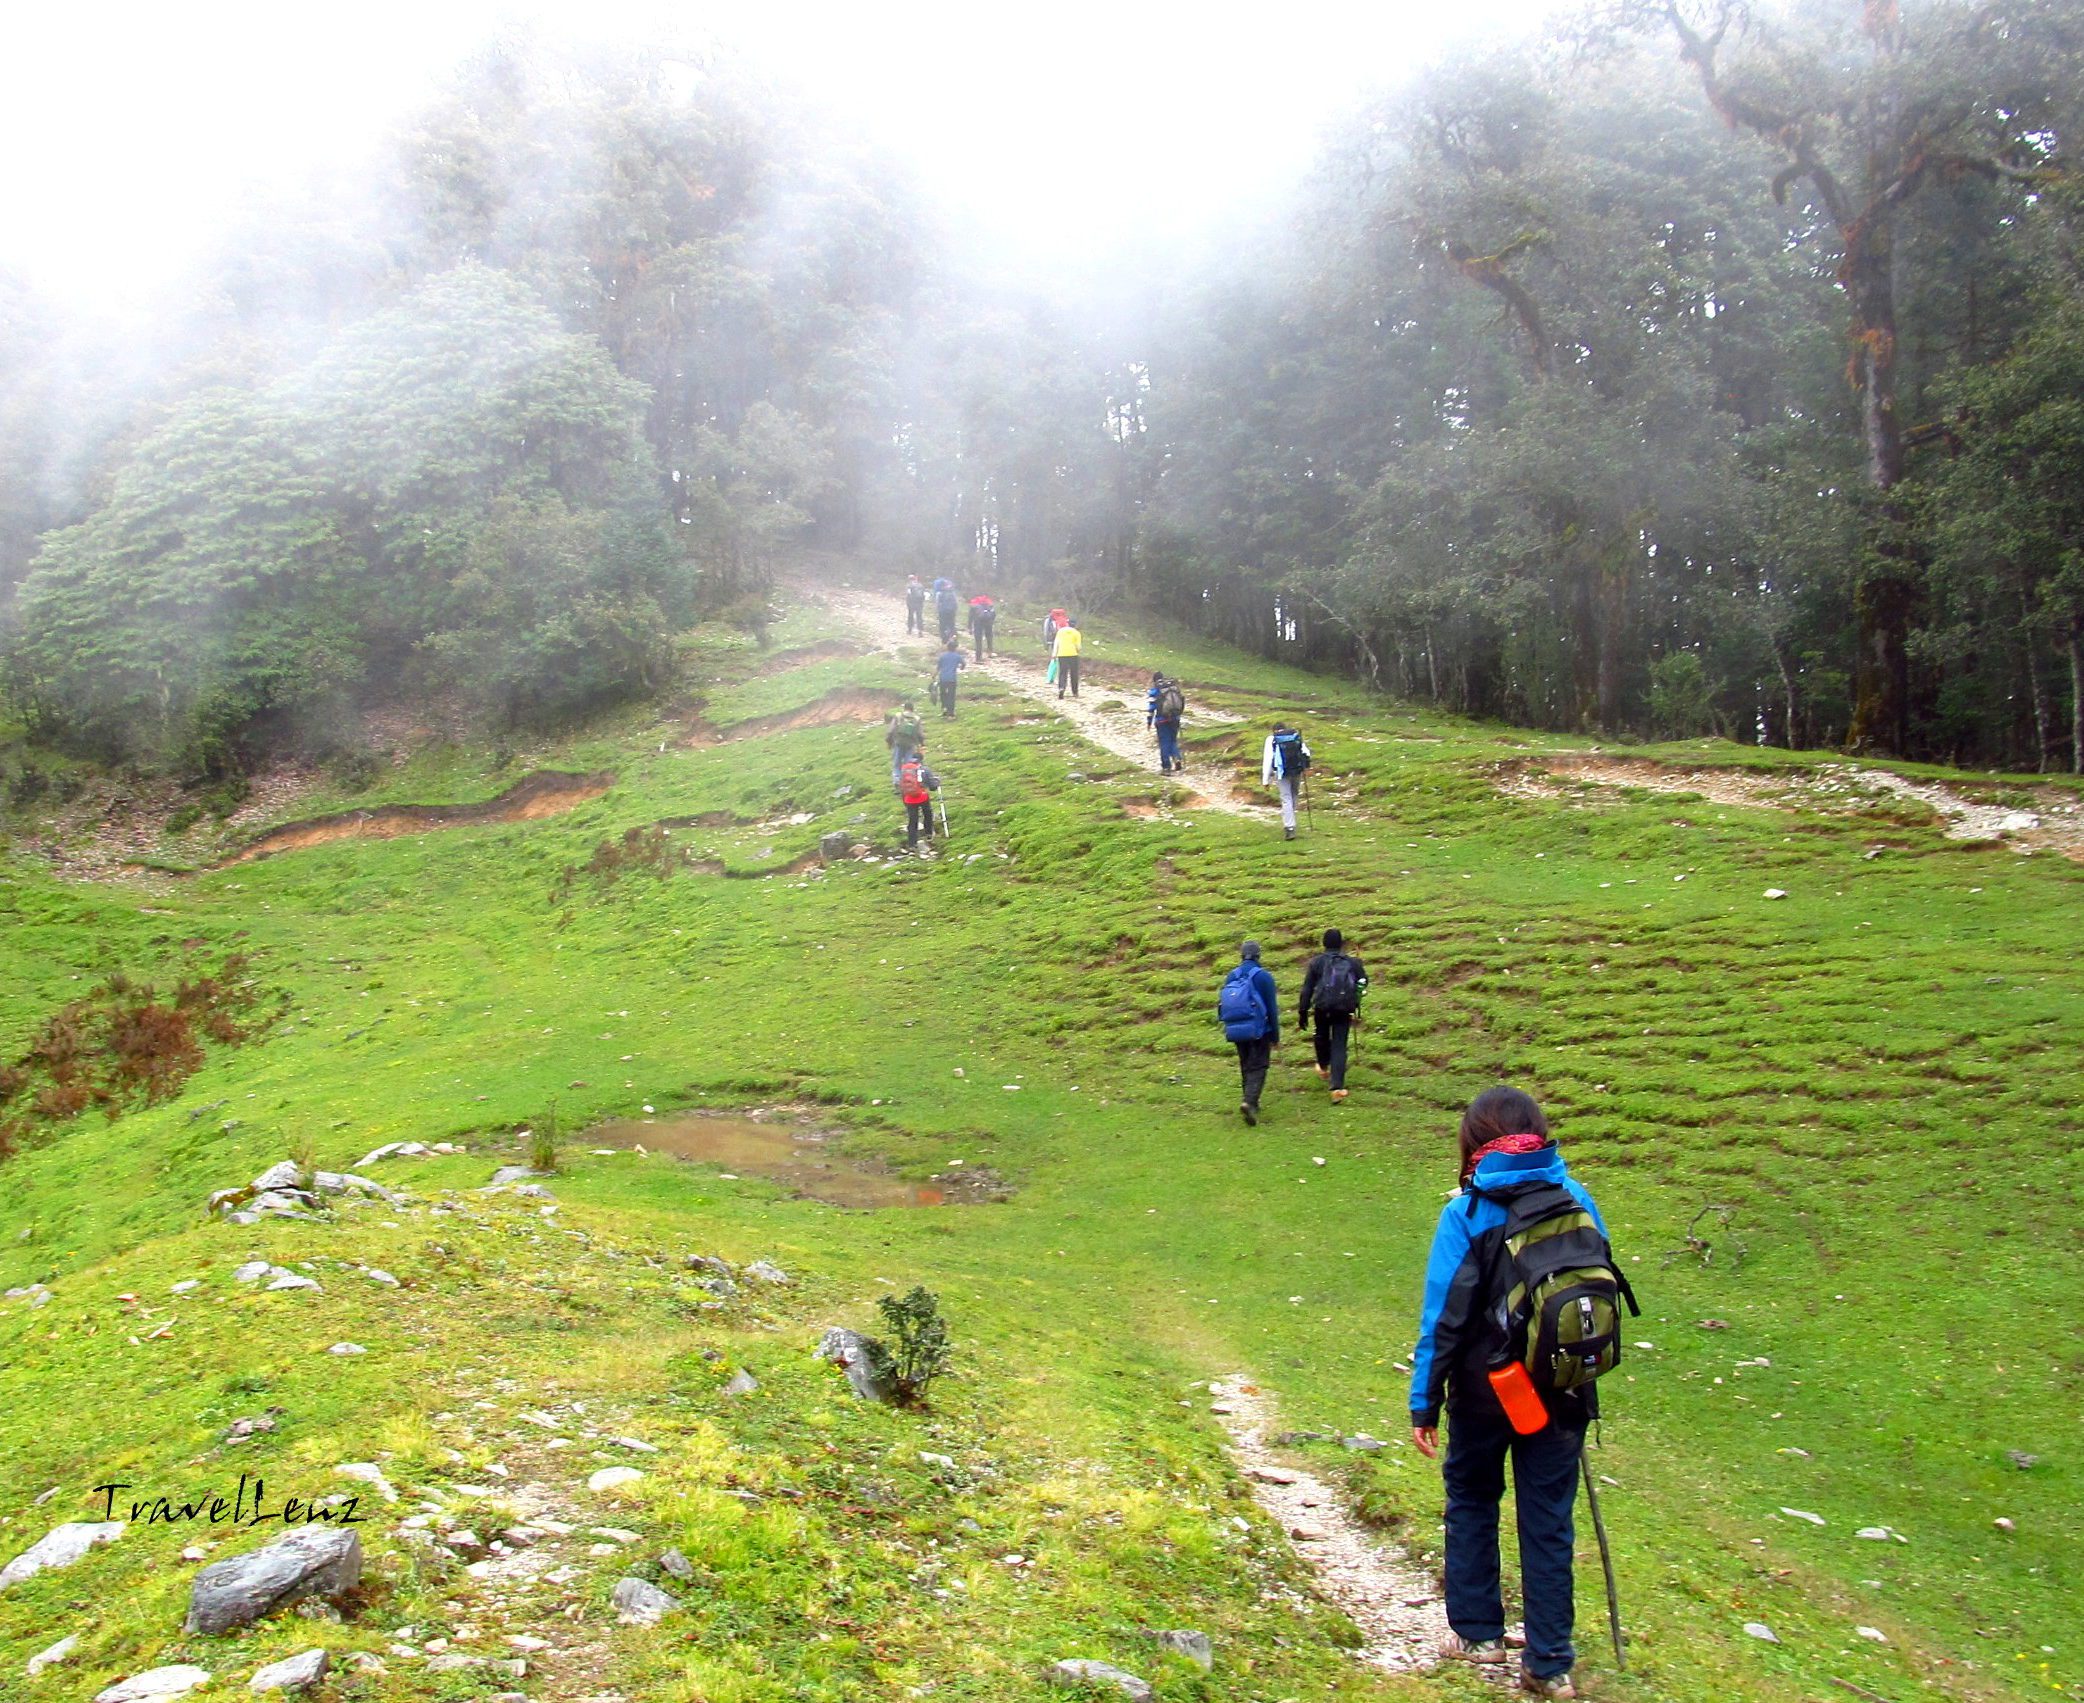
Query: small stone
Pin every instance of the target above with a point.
(615, 1534)
(1364, 1443)
(1308, 1531)
(292, 1280)
(528, 1645)
(50, 1658)
(2003, 1524)
(742, 1383)
(1874, 1534)
(378, 1276)
(286, 1174)
(59, 1547)
(678, 1565)
(1759, 1630)
(1873, 1634)
(364, 1661)
(293, 1674)
(1083, 1673)
(176, 1681)
(609, 1477)
(347, 1348)
(1773, 893)
(2020, 1459)
(638, 1602)
(186, 1284)
(368, 1474)
(1804, 1514)
(636, 1443)
(1273, 1475)
(765, 1271)
(1195, 1646)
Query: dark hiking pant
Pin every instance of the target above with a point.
(947, 689)
(1330, 1041)
(947, 627)
(1067, 675)
(1252, 1059)
(915, 620)
(981, 635)
(1544, 1491)
(1168, 746)
(918, 820)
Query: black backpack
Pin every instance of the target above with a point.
(1292, 760)
(1172, 702)
(1555, 1290)
(1338, 986)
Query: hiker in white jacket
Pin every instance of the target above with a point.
(1286, 760)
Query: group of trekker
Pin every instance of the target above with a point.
(1522, 1312)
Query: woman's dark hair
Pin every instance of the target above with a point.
(1497, 1112)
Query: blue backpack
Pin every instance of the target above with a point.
(1239, 1008)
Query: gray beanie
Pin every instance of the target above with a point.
(1250, 949)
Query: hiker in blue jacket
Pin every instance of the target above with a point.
(1505, 1149)
(947, 666)
(1250, 1011)
(1162, 712)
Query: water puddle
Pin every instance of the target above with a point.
(794, 1153)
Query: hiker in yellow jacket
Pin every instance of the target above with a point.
(1065, 651)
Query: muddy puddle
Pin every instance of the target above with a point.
(795, 1153)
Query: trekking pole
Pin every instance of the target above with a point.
(1309, 813)
(941, 798)
(1606, 1562)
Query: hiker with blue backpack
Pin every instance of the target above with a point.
(1522, 1313)
(1332, 985)
(1249, 1009)
(948, 665)
(945, 605)
(1286, 760)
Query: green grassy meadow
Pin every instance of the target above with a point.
(1876, 1077)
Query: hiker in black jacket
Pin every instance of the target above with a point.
(1332, 986)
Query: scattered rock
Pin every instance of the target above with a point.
(292, 1674)
(1307, 1531)
(1776, 893)
(50, 1658)
(347, 1348)
(35, 1294)
(186, 1284)
(1195, 1646)
(1083, 1673)
(1804, 1514)
(1714, 1324)
(252, 1271)
(763, 1271)
(850, 1351)
(1288, 1439)
(636, 1443)
(638, 1602)
(400, 1150)
(611, 1476)
(1873, 1634)
(678, 1565)
(2023, 1461)
(834, 846)
(293, 1280)
(742, 1383)
(2003, 1524)
(514, 1174)
(59, 1547)
(287, 1174)
(1273, 1475)
(316, 1561)
(1759, 1630)
(1364, 1443)
(251, 1426)
(159, 1682)
(376, 1275)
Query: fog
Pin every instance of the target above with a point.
(1054, 141)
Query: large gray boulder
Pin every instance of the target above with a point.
(286, 1174)
(850, 1351)
(318, 1561)
(59, 1547)
(832, 847)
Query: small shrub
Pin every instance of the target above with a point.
(918, 1350)
(26, 785)
(303, 1153)
(184, 818)
(542, 1143)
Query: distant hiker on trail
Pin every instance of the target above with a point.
(1250, 1011)
(905, 736)
(1064, 650)
(944, 605)
(1052, 624)
(915, 787)
(1167, 704)
(1331, 988)
(915, 607)
(1286, 760)
(947, 666)
(983, 612)
(1512, 1336)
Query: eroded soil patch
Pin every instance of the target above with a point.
(795, 1152)
(847, 705)
(547, 793)
(2051, 820)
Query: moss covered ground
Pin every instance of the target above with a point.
(1873, 1079)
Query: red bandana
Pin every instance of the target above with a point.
(1505, 1144)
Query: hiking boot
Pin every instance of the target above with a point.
(1338, 1093)
(1555, 1685)
(1321, 1071)
(1489, 1653)
(1287, 833)
(1248, 1111)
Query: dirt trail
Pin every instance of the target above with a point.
(2055, 823)
(1117, 732)
(1376, 1585)
(548, 793)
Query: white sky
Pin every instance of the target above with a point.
(1061, 133)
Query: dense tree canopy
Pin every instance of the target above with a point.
(1694, 369)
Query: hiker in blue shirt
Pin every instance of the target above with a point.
(1167, 703)
(948, 665)
(1250, 1011)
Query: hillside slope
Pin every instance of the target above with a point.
(1829, 1131)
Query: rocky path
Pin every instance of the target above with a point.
(1376, 1585)
(1119, 732)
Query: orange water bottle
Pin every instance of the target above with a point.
(1518, 1396)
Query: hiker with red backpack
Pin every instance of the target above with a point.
(984, 613)
(1249, 1009)
(916, 785)
(1522, 1313)
(1332, 985)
